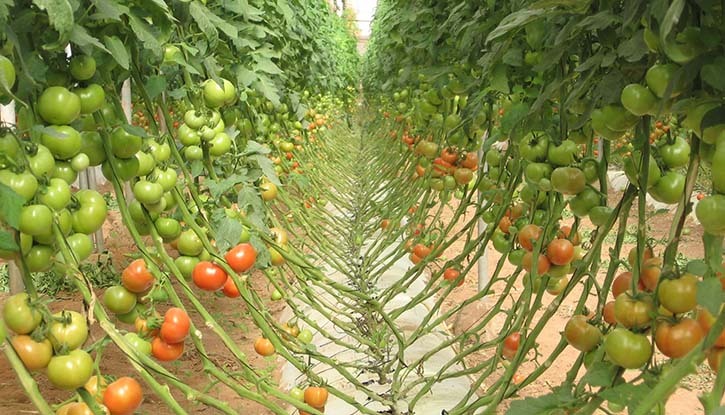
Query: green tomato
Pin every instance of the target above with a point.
(220, 144)
(669, 188)
(92, 146)
(627, 349)
(193, 153)
(194, 119)
(64, 170)
(7, 77)
(186, 265)
(119, 300)
(24, 184)
(70, 371)
(90, 213)
(305, 336)
(36, 220)
(168, 228)
(57, 105)
(632, 167)
(56, 194)
(81, 247)
(563, 154)
(148, 192)
(660, 76)
(534, 172)
(19, 315)
(82, 67)
(617, 118)
(161, 152)
(63, 141)
(80, 162)
(124, 144)
(68, 330)
(297, 394)
(534, 148)
(710, 211)
(638, 99)
(188, 136)
(92, 98)
(581, 204)
(189, 243)
(126, 169)
(39, 258)
(599, 125)
(141, 346)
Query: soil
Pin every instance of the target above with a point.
(232, 314)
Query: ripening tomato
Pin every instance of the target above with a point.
(560, 251)
(706, 321)
(511, 345)
(119, 300)
(136, 277)
(633, 312)
(175, 327)
(209, 276)
(582, 335)
(264, 347)
(649, 274)
(451, 275)
(19, 315)
(166, 352)
(608, 313)
(123, 396)
(242, 257)
(68, 330)
(70, 371)
(316, 396)
(529, 235)
(676, 340)
(678, 295)
(543, 263)
(714, 358)
(34, 355)
(627, 349)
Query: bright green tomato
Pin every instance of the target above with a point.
(56, 194)
(563, 154)
(186, 265)
(146, 163)
(305, 336)
(631, 169)
(80, 162)
(160, 152)
(70, 371)
(91, 211)
(627, 349)
(501, 242)
(124, 144)
(141, 346)
(638, 99)
(600, 127)
(81, 246)
(39, 258)
(168, 228)
(82, 67)
(659, 77)
(57, 105)
(568, 180)
(194, 119)
(193, 153)
(216, 95)
(717, 174)
(62, 140)
(119, 300)
(710, 211)
(92, 98)
(19, 315)
(188, 136)
(675, 154)
(64, 170)
(617, 118)
(220, 144)
(148, 192)
(189, 243)
(7, 76)
(8, 145)
(167, 178)
(36, 220)
(297, 394)
(92, 146)
(581, 204)
(68, 329)
(24, 184)
(126, 169)
(669, 188)
(534, 148)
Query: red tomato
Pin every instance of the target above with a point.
(528, 235)
(166, 352)
(136, 277)
(451, 274)
(175, 327)
(511, 345)
(242, 257)
(560, 251)
(208, 276)
(123, 396)
(230, 288)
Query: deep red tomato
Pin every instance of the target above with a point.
(209, 276)
(136, 277)
(241, 258)
(123, 396)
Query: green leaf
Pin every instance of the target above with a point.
(218, 187)
(109, 10)
(267, 168)
(7, 242)
(155, 85)
(265, 64)
(599, 21)
(542, 404)
(197, 168)
(80, 37)
(712, 72)
(709, 294)
(250, 202)
(671, 18)
(5, 10)
(697, 267)
(625, 393)
(515, 20)
(117, 50)
(268, 89)
(514, 116)
(60, 14)
(263, 258)
(227, 233)
(513, 57)
(11, 204)
(199, 13)
(254, 147)
(634, 48)
(715, 116)
(600, 374)
(144, 33)
(499, 79)
(245, 77)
